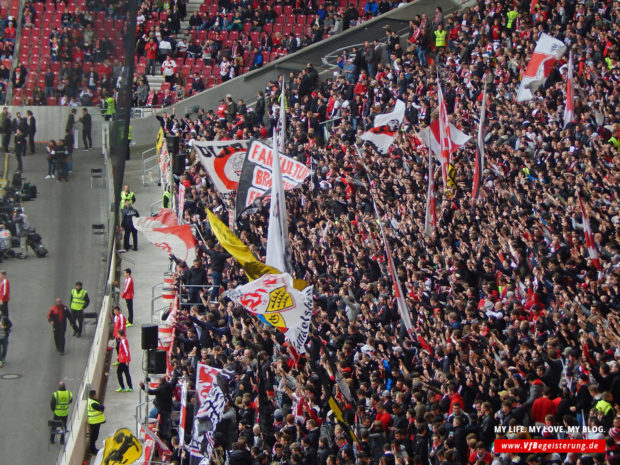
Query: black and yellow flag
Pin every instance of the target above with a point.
(123, 448)
(253, 267)
(335, 408)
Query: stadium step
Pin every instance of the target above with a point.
(155, 82)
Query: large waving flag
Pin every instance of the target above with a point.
(385, 128)
(253, 267)
(430, 137)
(273, 300)
(547, 52)
(278, 245)
(587, 231)
(569, 108)
(479, 165)
(223, 162)
(165, 217)
(176, 240)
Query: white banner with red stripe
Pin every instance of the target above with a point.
(587, 231)
(546, 54)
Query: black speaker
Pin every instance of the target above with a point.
(173, 144)
(178, 165)
(149, 336)
(156, 362)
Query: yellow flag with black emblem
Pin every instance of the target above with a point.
(253, 267)
(122, 448)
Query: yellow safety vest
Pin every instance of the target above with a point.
(166, 200)
(110, 106)
(512, 15)
(95, 417)
(129, 133)
(604, 407)
(440, 38)
(63, 399)
(78, 299)
(127, 196)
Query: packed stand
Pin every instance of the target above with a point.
(8, 31)
(224, 40)
(514, 324)
(71, 53)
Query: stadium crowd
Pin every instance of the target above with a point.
(229, 40)
(514, 324)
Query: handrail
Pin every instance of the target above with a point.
(148, 161)
(160, 201)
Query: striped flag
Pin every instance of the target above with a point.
(546, 53)
(588, 235)
(569, 108)
(445, 141)
(430, 218)
(479, 165)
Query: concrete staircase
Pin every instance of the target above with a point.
(155, 80)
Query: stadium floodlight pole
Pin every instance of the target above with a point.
(120, 132)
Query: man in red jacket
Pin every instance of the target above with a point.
(128, 295)
(58, 316)
(5, 294)
(542, 407)
(124, 357)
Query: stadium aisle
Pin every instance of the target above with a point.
(62, 214)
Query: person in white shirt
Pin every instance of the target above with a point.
(168, 69)
(165, 48)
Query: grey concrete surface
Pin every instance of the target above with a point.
(148, 265)
(62, 214)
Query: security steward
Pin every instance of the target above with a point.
(440, 37)
(127, 194)
(60, 406)
(95, 418)
(110, 108)
(79, 301)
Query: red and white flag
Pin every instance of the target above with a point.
(479, 164)
(430, 218)
(588, 235)
(431, 138)
(546, 54)
(176, 240)
(569, 108)
(183, 413)
(205, 377)
(445, 140)
(385, 128)
(165, 217)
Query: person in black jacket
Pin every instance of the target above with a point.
(129, 213)
(195, 276)
(217, 263)
(20, 148)
(32, 129)
(87, 124)
(163, 402)
(6, 129)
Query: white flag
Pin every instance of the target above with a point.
(569, 107)
(176, 240)
(430, 138)
(385, 128)
(273, 300)
(547, 52)
(278, 246)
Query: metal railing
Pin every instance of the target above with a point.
(155, 204)
(149, 165)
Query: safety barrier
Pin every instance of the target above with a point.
(149, 165)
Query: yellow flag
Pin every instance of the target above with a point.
(253, 267)
(121, 449)
(160, 140)
(333, 405)
(451, 176)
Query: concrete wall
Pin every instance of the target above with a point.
(51, 122)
